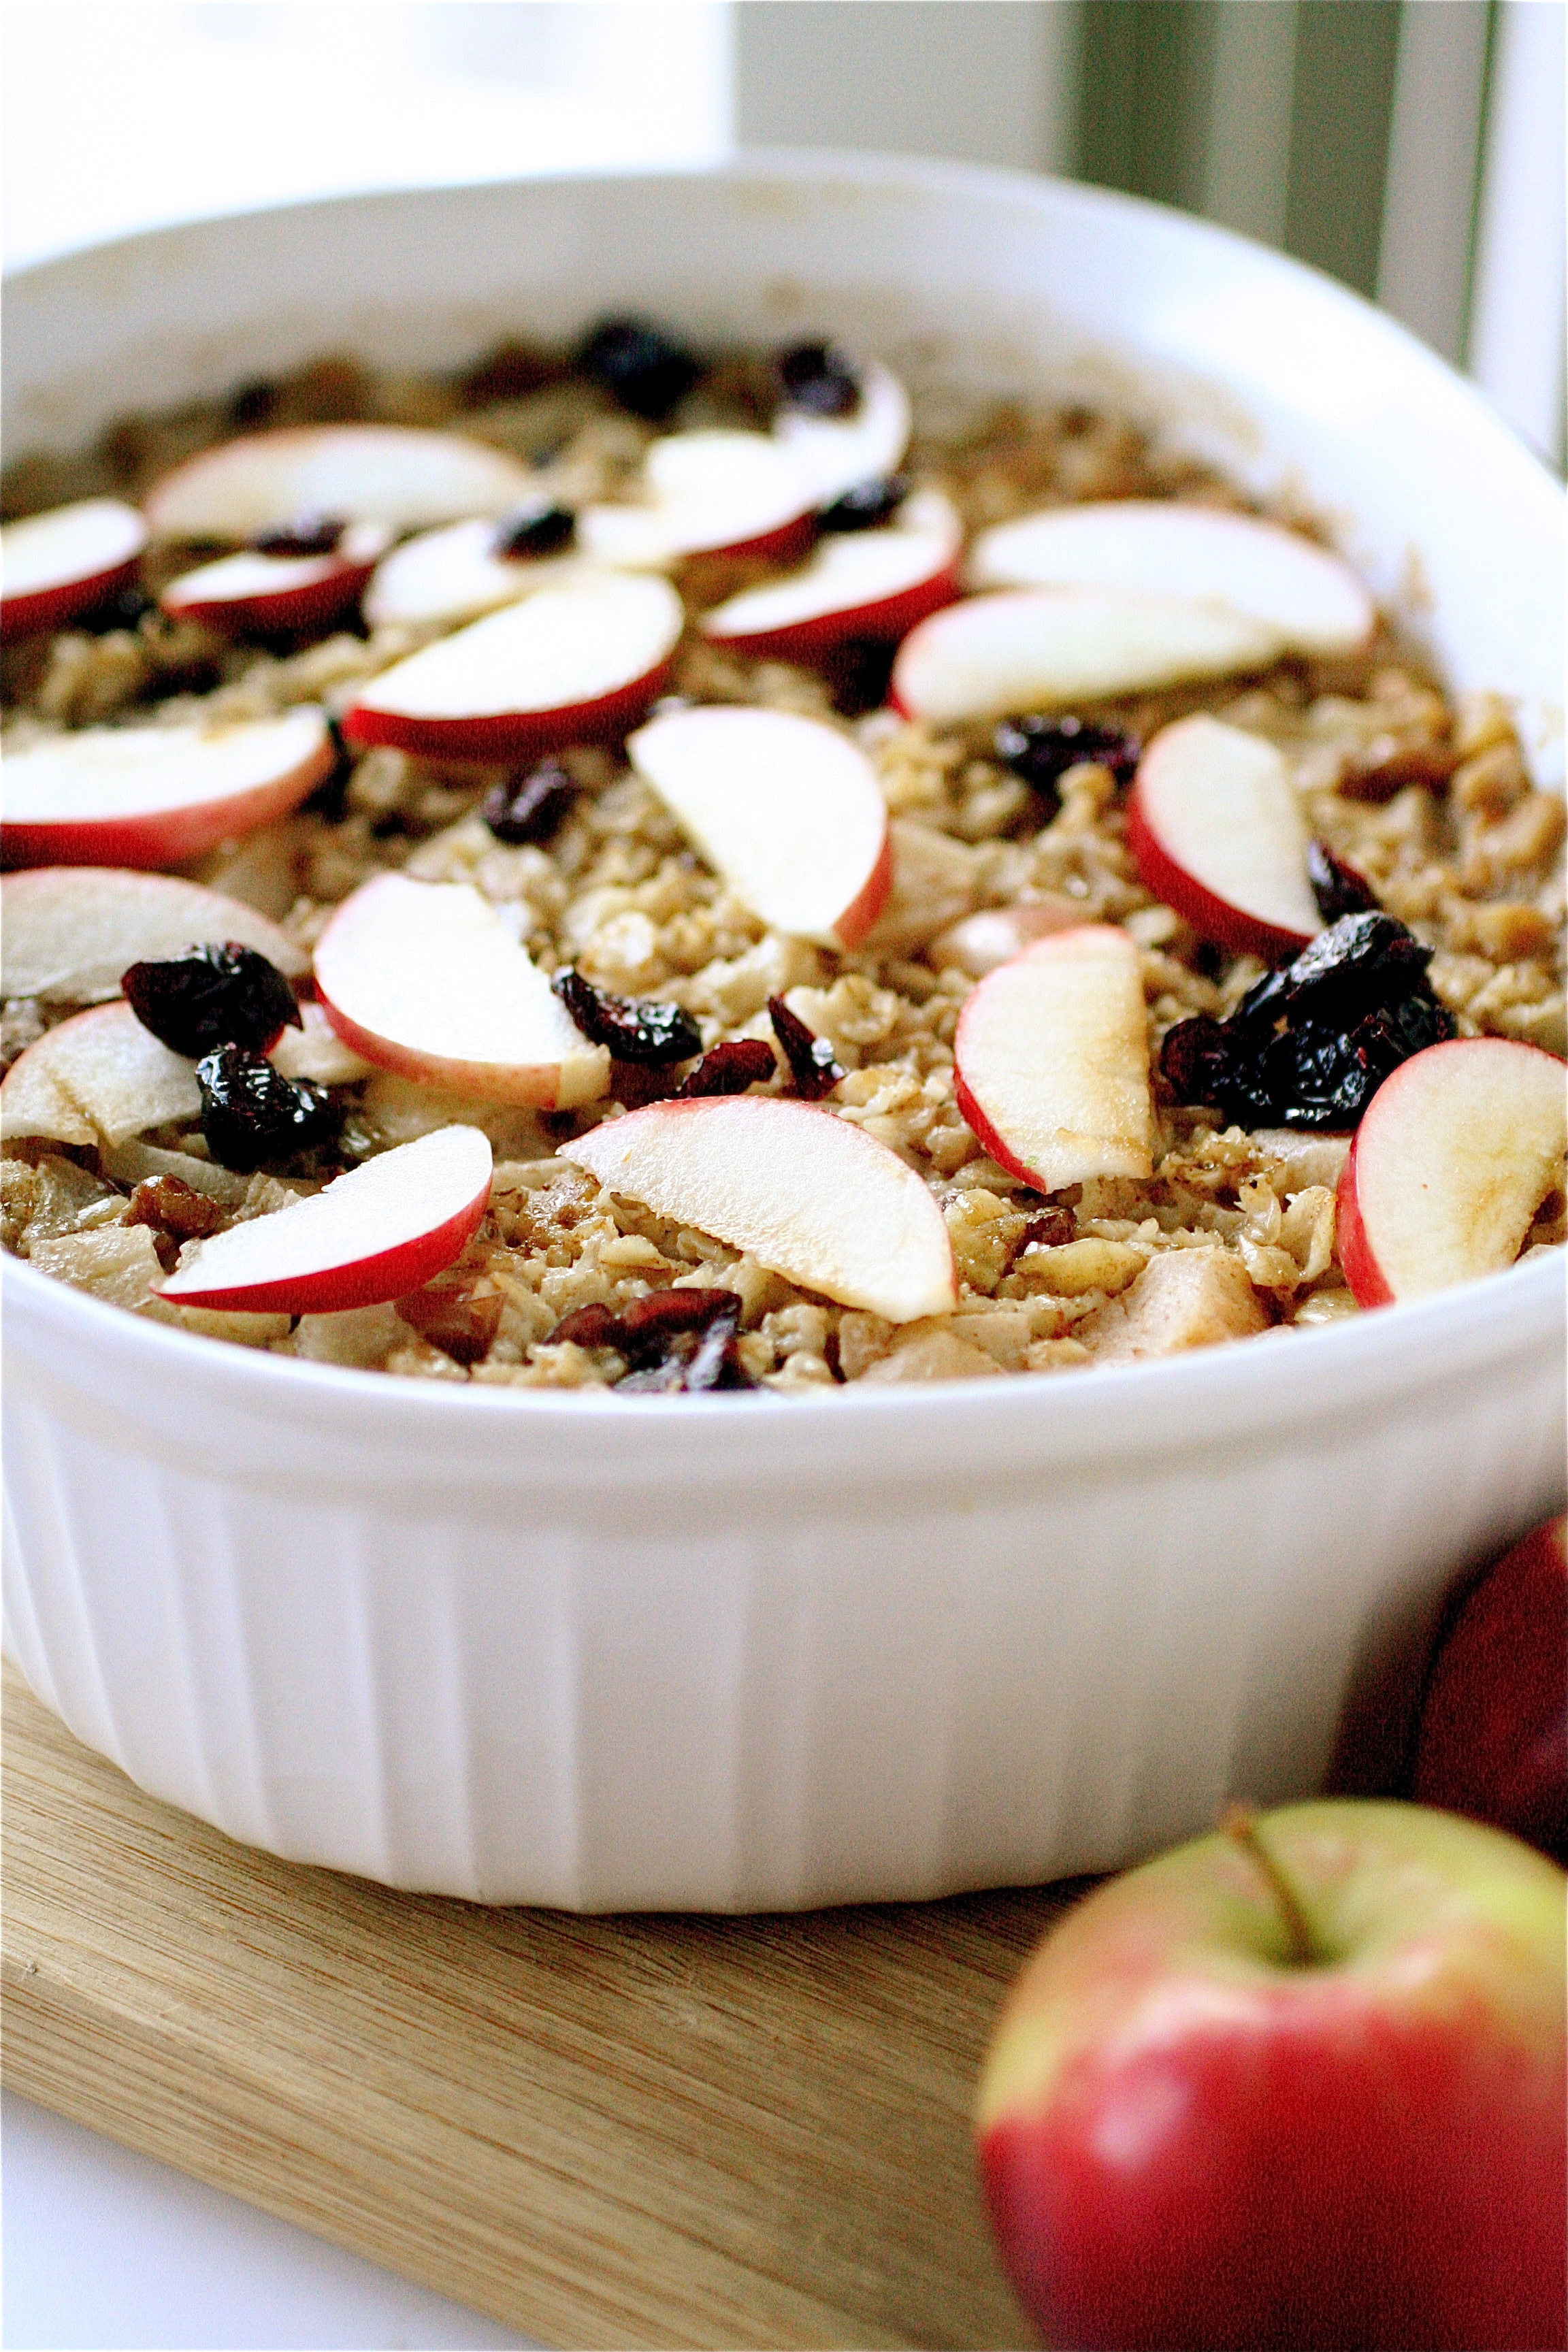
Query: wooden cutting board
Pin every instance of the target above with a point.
(629, 2131)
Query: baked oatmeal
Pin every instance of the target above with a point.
(394, 791)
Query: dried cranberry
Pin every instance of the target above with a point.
(1309, 1046)
(641, 366)
(1339, 889)
(731, 1068)
(866, 506)
(818, 379)
(251, 1114)
(529, 807)
(171, 1206)
(307, 534)
(461, 1326)
(1041, 750)
(538, 530)
(212, 996)
(642, 1031)
(812, 1065)
(253, 403)
(698, 1353)
(648, 1322)
(509, 371)
(857, 672)
(588, 1326)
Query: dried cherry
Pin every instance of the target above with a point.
(540, 530)
(866, 506)
(640, 365)
(529, 807)
(1309, 1046)
(251, 1114)
(818, 379)
(731, 1068)
(640, 1032)
(811, 1059)
(461, 1324)
(1049, 1228)
(1338, 888)
(1041, 750)
(675, 1341)
(212, 995)
(307, 534)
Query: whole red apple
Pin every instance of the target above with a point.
(1493, 1739)
(1299, 2085)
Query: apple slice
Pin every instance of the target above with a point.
(865, 583)
(788, 810)
(809, 1194)
(97, 1077)
(831, 454)
(1045, 648)
(158, 795)
(68, 932)
(376, 1233)
(54, 565)
(707, 493)
(392, 474)
(1217, 835)
(267, 592)
(423, 978)
(1313, 601)
(572, 663)
(453, 574)
(1051, 1061)
(1457, 1153)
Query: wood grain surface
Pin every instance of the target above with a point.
(600, 2131)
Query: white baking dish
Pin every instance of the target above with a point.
(727, 1652)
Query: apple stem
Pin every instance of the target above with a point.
(1239, 1824)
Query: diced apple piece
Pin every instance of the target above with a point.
(809, 1194)
(391, 474)
(1051, 1061)
(376, 1233)
(994, 935)
(316, 1051)
(788, 810)
(707, 493)
(97, 1077)
(1217, 835)
(1184, 1298)
(866, 583)
(453, 574)
(69, 932)
(831, 454)
(1044, 648)
(423, 978)
(157, 796)
(54, 565)
(1310, 599)
(569, 664)
(268, 593)
(1457, 1153)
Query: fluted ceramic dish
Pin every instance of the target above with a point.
(729, 1652)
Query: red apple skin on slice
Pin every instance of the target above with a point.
(808, 1194)
(1194, 2138)
(575, 663)
(422, 980)
(55, 565)
(787, 809)
(157, 796)
(375, 1233)
(1454, 1155)
(1051, 1061)
(872, 584)
(266, 595)
(1310, 597)
(1215, 828)
(1046, 648)
(394, 474)
(69, 932)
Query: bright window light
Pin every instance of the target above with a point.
(123, 114)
